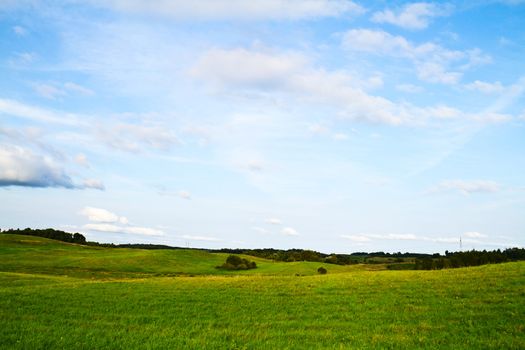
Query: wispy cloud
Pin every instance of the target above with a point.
(201, 238)
(20, 31)
(466, 187)
(356, 238)
(474, 234)
(293, 74)
(485, 87)
(135, 138)
(471, 237)
(54, 90)
(260, 230)
(94, 184)
(135, 230)
(412, 16)
(274, 221)
(25, 111)
(288, 231)
(434, 63)
(237, 9)
(48, 91)
(290, 73)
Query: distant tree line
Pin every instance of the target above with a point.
(295, 255)
(421, 261)
(310, 255)
(469, 258)
(49, 233)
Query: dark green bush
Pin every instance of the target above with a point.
(322, 270)
(234, 262)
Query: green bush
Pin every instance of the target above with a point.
(322, 270)
(234, 262)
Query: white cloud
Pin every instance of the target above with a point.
(82, 160)
(163, 191)
(435, 72)
(237, 9)
(288, 231)
(503, 41)
(474, 234)
(433, 62)
(23, 58)
(136, 230)
(274, 221)
(378, 41)
(402, 237)
(24, 111)
(21, 167)
(466, 187)
(102, 215)
(318, 129)
(409, 88)
(394, 237)
(444, 239)
(146, 231)
(48, 91)
(412, 16)
(485, 87)
(293, 75)
(289, 73)
(94, 184)
(340, 136)
(241, 67)
(356, 238)
(201, 238)
(184, 194)
(260, 230)
(135, 138)
(19, 30)
(57, 90)
(106, 221)
(444, 112)
(476, 58)
(255, 165)
(362, 238)
(79, 89)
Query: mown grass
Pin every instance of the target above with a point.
(470, 308)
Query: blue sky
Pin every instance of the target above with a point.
(330, 125)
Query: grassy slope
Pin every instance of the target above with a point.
(40, 255)
(471, 308)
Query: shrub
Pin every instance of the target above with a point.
(234, 262)
(322, 270)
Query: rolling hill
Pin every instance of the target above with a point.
(64, 296)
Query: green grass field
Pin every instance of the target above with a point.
(57, 295)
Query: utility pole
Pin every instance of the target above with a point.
(460, 244)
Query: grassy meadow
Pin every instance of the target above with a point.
(58, 295)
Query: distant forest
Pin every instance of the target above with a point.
(398, 260)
